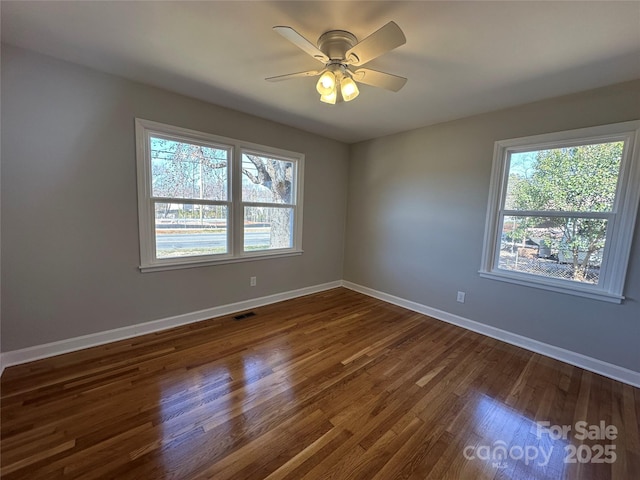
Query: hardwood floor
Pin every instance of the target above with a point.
(333, 385)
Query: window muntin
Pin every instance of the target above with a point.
(561, 210)
(192, 211)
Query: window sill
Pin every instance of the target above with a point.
(577, 290)
(173, 265)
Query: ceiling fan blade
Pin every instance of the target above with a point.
(381, 41)
(379, 79)
(310, 73)
(302, 43)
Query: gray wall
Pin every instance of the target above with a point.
(70, 251)
(415, 224)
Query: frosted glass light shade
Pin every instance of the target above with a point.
(326, 83)
(330, 98)
(349, 89)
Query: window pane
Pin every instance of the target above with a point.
(266, 180)
(268, 227)
(184, 170)
(185, 229)
(571, 179)
(553, 247)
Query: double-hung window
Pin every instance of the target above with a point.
(205, 199)
(562, 209)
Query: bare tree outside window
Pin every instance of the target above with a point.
(204, 199)
(267, 192)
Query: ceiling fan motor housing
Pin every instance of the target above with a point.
(335, 44)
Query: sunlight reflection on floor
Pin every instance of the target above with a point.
(512, 444)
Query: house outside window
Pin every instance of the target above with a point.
(205, 199)
(562, 209)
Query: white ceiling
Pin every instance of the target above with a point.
(461, 58)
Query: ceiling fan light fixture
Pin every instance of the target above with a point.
(326, 83)
(339, 51)
(349, 89)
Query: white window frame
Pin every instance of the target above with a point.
(145, 129)
(620, 221)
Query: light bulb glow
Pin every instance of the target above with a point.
(349, 89)
(326, 83)
(330, 97)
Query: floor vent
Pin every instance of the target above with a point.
(242, 316)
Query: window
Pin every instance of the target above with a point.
(562, 209)
(204, 199)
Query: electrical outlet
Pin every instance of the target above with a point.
(252, 281)
(460, 297)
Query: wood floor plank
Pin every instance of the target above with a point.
(335, 385)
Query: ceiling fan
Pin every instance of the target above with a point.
(342, 56)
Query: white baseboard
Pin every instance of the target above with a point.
(579, 360)
(37, 352)
(24, 355)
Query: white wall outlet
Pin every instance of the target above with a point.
(460, 297)
(252, 281)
